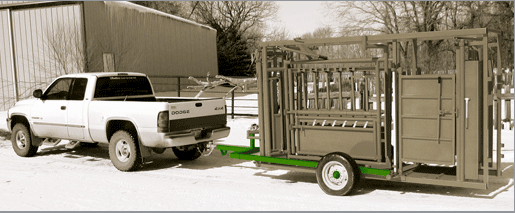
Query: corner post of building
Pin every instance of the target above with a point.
(13, 62)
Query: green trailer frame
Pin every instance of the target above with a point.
(312, 108)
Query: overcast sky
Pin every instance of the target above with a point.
(300, 17)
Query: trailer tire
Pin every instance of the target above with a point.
(22, 141)
(337, 174)
(190, 152)
(124, 152)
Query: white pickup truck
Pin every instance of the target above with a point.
(120, 109)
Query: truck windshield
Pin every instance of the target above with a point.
(122, 86)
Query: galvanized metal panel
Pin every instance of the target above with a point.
(47, 44)
(427, 135)
(6, 64)
(160, 44)
(359, 145)
(473, 118)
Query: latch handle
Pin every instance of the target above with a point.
(467, 113)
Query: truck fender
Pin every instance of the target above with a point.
(35, 140)
(144, 151)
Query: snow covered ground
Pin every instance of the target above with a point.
(84, 179)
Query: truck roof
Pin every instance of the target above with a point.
(104, 74)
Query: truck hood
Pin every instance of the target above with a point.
(26, 102)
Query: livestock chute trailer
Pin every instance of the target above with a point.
(335, 116)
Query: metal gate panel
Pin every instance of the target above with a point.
(427, 119)
(318, 141)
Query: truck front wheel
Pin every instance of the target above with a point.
(190, 152)
(21, 141)
(123, 151)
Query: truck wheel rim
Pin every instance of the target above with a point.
(21, 140)
(335, 175)
(123, 151)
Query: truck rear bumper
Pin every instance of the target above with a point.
(173, 140)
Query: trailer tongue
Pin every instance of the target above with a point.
(334, 116)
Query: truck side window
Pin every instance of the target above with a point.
(78, 89)
(59, 89)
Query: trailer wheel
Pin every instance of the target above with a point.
(124, 152)
(190, 152)
(21, 141)
(337, 174)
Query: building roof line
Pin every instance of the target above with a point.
(156, 12)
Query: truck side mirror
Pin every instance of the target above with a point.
(37, 93)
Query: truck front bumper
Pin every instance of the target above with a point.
(182, 139)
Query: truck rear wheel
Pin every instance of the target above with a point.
(337, 174)
(190, 152)
(123, 151)
(22, 142)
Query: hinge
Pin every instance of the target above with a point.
(457, 112)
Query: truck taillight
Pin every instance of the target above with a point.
(162, 121)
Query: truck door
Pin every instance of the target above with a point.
(427, 119)
(75, 110)
(49, 115)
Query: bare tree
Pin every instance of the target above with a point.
(391, 17)
(278, 34)
(237, 24)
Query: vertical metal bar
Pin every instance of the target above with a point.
(13, 62)
(340, 101)
(414, 58)
(259, 70)
(395, 50)
(266, 107)
(272, 86)
(378, 100)
(365, 94)
(232, 104)
(460, 73)
(398, 114)
(438, 119)
(315, 86)
(328, 81)
(352, 93)
(499, 70)
(486, 127)
(305, 90)
(299, 90)
(179, 87)
(290, 93)
(388, 106)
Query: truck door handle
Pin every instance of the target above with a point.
(63, 107)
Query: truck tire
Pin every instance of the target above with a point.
(124, 152)
(21, 141)
(190, 152)
(337, 174)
